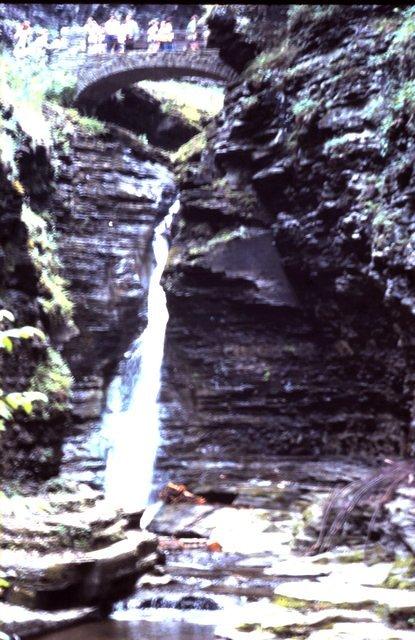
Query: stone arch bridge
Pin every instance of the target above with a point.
(103, 74)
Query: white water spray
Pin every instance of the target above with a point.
(131, 421)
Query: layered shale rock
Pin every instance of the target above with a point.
(314, 147)
(66, 551)
(98, 196)
(109, 198)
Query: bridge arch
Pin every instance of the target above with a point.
(102, 75)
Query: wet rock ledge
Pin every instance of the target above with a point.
(82, 556)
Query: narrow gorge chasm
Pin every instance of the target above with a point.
(206, 312)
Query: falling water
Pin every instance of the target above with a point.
(131, 420)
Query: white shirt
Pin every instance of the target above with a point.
(112, 27)
(131, 28)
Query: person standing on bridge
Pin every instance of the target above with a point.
(166, 35)
(152, 36)
(112, 32)
(169, 35)
(191, 34)
(131, 31)
(93, 36)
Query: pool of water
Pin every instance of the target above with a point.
(150, 625)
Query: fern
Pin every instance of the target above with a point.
(10, 402)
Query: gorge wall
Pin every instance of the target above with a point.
(289, 281)
(94, 199)
(312, 155)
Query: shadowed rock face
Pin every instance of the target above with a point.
(110, 199)
(105, 198)
(109, 202)
(334, 374)
(141, 113)
(22, 445)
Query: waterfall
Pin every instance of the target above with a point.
(131, 419)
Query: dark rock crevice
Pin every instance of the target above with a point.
(333, 376)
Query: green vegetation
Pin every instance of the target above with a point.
(291, 603)
(34, 83)
(190, 101)
(143, 139)
(406, 30)
(90, 125)
(191, 149)
(24, 90)
(23, 87)
(53, 378)
(402, 574)
(358, 555)
(219, 238)
(42, 247)
(305, 13)
(281, 56)
(266, 375)
(61, 87)
(405, 97)
(384, 218)
(10, 402)
(374, 106)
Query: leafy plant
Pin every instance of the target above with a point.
(8, 335)
(191, 101)
(43, 251)
(90, 125)
(143, 139)
(61, 88)
(190, 149)
(10, 402)
(53, 378)
(405, 97)
(406, 30)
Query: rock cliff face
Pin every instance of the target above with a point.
(104, 197)
(314, 151)
(30, 443)
(110, 197)
(289, 282)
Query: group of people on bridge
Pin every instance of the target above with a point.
(117, 35)
(123, 34)
(29, 42)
